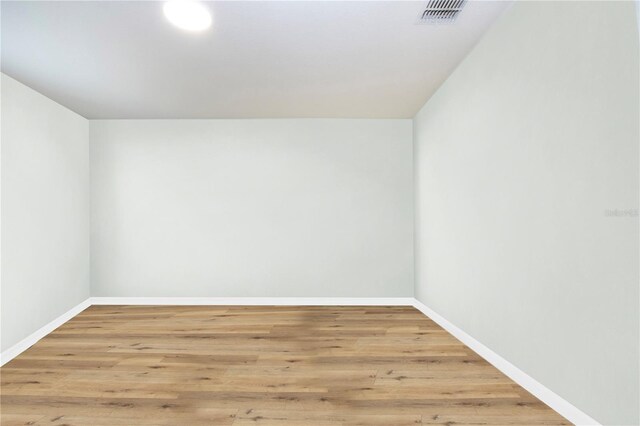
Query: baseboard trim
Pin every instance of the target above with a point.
(257, 301)
(33, 338)
(546, 395)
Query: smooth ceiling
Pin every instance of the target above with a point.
(113, 59)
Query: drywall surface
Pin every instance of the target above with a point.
(45, 211)
(226, 208)
(527, 198)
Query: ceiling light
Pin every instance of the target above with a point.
(188, 15)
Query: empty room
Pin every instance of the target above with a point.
(319, 213)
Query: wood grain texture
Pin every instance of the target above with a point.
(259, 365)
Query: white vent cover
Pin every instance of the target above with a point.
(441, 11)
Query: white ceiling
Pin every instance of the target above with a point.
(122, 59)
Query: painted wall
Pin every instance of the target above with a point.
(45, 211)
(229, 208)
(522, 158)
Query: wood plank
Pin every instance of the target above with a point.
(267, 365)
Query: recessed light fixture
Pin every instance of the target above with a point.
(187, 14)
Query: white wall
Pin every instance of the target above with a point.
(224, 208)
(45, 211)
(519, 156)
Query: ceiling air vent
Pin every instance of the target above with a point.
(441, 11)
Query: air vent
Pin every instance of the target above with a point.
(441, 11)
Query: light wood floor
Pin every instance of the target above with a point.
(223, 365)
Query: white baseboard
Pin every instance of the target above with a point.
(257, 301)
(33, 338)
(546, 395)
